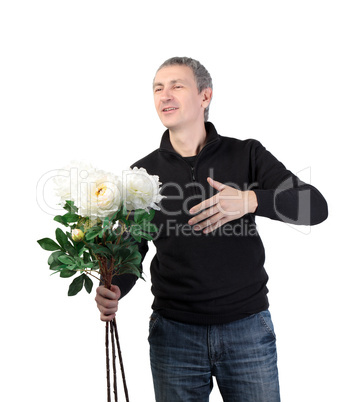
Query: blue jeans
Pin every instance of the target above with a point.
(241, 355)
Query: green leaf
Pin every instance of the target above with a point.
(61, 238)
(100, 249)
(58, 267)
(88, 284)
(106, 222)
(70, 207)
(54, 257)
(76, 285)
(124, 253)
(136, 237)
(71, 218)
(135, 229)
(129, 269)
(140, 215)
(124, 210)
(146, 236)
(92, 232)
(61, 220)
(65, 259)
(114, 216)
(135, 258)
(114, 248)
(48, 244)
(150, 215)
(55, 272)
(112, 236)
(71, 250)
(149, 227)
(91, 265)
(135, 232)
(80, 248)
(67, 273)
(86, 257)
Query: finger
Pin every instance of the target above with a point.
(116, 290)
(215, 184)
(107, 302)
(107, 317)
(103, 303)
(203, 215)
(107, 308)
(209, 222)
(215, 226)
(204, 205)
(108, 293)
(106, 299)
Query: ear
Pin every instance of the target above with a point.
(206, 97)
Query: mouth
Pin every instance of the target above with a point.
(169, 109)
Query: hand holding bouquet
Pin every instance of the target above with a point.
(106, 218)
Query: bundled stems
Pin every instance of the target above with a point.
(107, 363)
(114, 363)
(120, 360)
(112, 328)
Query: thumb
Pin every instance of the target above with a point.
(215, 184)
(116, 290)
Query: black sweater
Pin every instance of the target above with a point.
(218, 277)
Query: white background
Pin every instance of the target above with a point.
(76, 84)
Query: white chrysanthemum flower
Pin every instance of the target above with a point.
(94, 192)
(101, 197)
(140, 190)
(70, 179)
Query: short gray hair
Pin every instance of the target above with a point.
(201, 75)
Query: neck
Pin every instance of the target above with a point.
(189, 141)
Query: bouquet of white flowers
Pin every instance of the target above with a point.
(106, 217)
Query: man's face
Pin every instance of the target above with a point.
(176, 97)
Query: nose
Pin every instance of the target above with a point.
(165, 95)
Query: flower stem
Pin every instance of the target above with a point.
(92, 275)
(120, 360)
(114, 365)
(107, 362)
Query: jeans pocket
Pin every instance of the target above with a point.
(153, 320)
(265, 319)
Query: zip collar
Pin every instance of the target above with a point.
(211, 136)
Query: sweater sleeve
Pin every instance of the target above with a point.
(126, 282)
(283, 196)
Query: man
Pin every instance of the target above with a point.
(210, 305)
